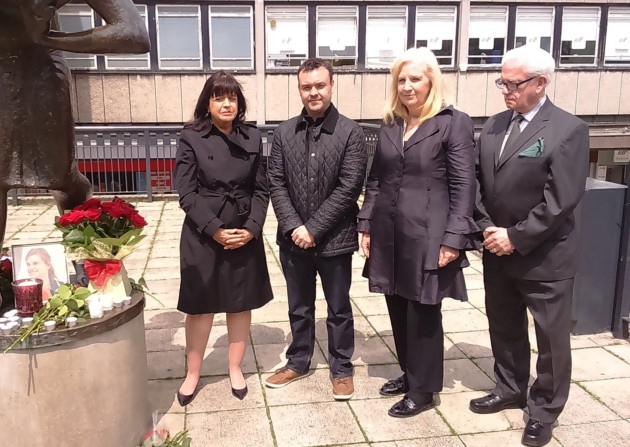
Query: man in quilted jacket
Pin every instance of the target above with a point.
(316, 172)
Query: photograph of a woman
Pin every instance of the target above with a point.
(46, 262)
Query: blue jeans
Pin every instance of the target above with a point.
(335, 273)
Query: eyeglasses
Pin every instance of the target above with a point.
(511, 86)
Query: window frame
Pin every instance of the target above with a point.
(496, 58)
(626, 64)
(199, 37)
(69, 55)
(532, 8)
(597, 56)
(250, 16)
(380, 14)
(276, 12)
(435, 8)
(332, 59)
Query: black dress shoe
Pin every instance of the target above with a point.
(185, 399)
(493, 403)
(240, 394)
(536, 434)
(407, 407)
(394, 387)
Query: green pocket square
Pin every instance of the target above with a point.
(535, 150)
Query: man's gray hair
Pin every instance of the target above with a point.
(533, 59)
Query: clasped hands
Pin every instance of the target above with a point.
(302, 238)
(232, 238)
(447, 254)
(496, 240)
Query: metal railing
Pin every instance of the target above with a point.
(139, 160)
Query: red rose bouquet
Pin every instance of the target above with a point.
(102, 234)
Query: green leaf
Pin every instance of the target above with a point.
(74, 235)
(62, 310)
(55, 302)
(72, 304)
(64, 292)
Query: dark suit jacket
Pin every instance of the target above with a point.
(532, 191)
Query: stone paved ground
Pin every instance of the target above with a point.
(304, 413)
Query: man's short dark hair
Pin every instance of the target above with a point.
(313, 64)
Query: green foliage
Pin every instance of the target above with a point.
(68, 301)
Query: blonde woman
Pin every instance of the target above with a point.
(416, 221)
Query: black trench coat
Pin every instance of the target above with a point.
(420, 195)
(221, 183)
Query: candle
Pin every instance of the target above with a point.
(95, 307)
(71, 321)
(4, 320)
(11, 313)
(107, 301)
(118, 302)
(49, 325)
(27, 321)
(15, 319)
(127, 301)
(28, 296)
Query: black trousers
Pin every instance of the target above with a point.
(419, 340)
(335, 273)
(549, 302)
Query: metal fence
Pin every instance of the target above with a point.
(140, 159)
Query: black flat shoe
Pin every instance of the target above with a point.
(184, 399)
(240, 394)
(493, 404)
(536, 434)
(407, 408)
(394, 387)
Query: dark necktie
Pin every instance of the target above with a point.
(514, 133)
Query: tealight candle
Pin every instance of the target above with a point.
(49, 325)
(118, 302)
(11, 313)
(27, 321)
(71, 321)
(4, 320)
(127, 301)
(107, 301)
(5, 329)
(14, 319)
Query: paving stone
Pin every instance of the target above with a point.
(579, 400)
(464, 375)
(162, 396)
(163, 339)
(215, 393)
(441, 441)
(216, 362)
(474, 344)
(244, 427)
(614, 393)
(314, 424)
(371, 351)
(270, 357)
(451, 351)
(465, 320)
(378, 426)
(369, 379)
(597, 363)
(163, 318)
(454, 409)
(166, 364)
(273, 311)
(599, 434)
(621, 350)
(373, 305)
(315, 387)
(381, 324)
(271, 333)
(510, 438)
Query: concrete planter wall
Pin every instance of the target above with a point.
(85, 386)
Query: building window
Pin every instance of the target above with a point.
(385, 36)
(436, 29)
(73, 19)
(487, 34)
(618, 37)
(534, 26)
(580, 27)
(287, 35)
(179, 37)
(130, 61)
(226, 51)
(336, 36)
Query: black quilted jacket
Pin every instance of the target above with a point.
(318, 187)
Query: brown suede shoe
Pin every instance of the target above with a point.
(282, 377)
(343, 388)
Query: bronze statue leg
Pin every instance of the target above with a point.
(3, 215)
(75, 190)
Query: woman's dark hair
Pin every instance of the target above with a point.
(219, 84)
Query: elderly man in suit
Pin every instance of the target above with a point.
(532, 168)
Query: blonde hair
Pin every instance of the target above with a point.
(436, 100)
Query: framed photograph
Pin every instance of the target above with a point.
(46, 261)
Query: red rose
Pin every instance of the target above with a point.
(93, 214)
(138, 221)
(88, 205)
(5, 265)
(71, 218)
(114, 209)
(129, 209)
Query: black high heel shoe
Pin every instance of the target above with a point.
(185, 399)
(240, 394)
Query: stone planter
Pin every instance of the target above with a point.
(84, 386)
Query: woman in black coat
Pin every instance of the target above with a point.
(223, 190)
(416, 220)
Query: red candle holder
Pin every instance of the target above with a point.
(28, 296)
